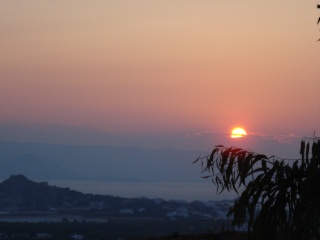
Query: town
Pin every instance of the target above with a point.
(39, 211)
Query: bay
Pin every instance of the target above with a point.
(186, 191)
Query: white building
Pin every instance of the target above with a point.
(77, 237)
(180, 212)
(126, 211)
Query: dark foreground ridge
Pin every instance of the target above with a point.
(18, 193)
(28, 208)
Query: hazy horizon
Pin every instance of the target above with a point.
(159, 75)
(287, 145)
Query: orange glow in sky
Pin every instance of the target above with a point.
(161, 66)
(238, 132)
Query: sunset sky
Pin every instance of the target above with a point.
(146, 68)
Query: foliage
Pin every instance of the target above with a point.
(277, 197)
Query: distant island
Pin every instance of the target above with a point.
(37, 203)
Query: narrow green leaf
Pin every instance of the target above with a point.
(205, 177)
(264, 166)
(234, 185)
(225, 156)
(213, 153)
(245, 168)
(198, 158)
(314, 150)
(307, 152)
(302, 148)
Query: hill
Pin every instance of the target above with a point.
(18, 194)
(37, 205)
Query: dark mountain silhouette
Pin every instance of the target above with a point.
(20, 193)
(37, 204)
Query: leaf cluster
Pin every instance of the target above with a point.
(277, 197)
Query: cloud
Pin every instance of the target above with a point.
(282, 138)
(199, 134)
(290, 138)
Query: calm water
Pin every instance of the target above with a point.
(170, 191)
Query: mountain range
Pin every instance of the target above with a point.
(18, 194)
(97, 163)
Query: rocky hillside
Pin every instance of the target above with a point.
(20, 193)
(29, 207)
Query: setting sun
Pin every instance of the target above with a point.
(238, 132)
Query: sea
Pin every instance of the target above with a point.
(184, 191)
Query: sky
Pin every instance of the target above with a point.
(153, 71)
